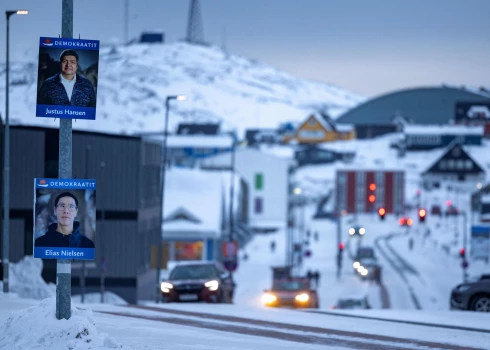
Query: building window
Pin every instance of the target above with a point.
(258, 205)
(442, 165)
(312, 122)
(259, 181)
(468, 164)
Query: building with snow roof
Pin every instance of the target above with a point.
(424, 137)
(267, 176)
(319, 128)
(455, 166)
(197, 212)
(424, 106)
(186, 150)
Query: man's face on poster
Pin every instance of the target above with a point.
(69, 65)
(66, 211)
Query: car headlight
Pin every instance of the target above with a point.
(268, 298)
(302, 297)
(356, 264)
(360, 268)
(212, 285)
(463, 287)
(165, 287)
(352, 231)
(364, 272)
(362, 230)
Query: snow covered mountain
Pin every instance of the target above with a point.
(135, 80)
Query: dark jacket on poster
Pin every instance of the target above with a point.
(53, 92)
(53, 238)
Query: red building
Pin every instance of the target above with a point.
(365, 191)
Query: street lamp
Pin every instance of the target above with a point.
(162, 185)
(6, 162)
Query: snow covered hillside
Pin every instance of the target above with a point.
(135, 80)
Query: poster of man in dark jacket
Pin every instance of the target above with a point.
(64, 220)
(67, 87)
(66, 231)
(67, 78)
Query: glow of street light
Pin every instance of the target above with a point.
(479, 185)
(297, 190)
(181, 97)
(22, 12)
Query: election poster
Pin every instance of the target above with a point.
(480, 242)
(64, 218)
(67, 78)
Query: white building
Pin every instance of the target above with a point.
(267, 177)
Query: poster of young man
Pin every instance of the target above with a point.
(67, 78)
(64, 219)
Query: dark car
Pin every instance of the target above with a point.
(293, 292)
(474, 295)
(369, 269)
(357, 230)
(198, 281)
(353, 302)
(436, 210)
(452, 210)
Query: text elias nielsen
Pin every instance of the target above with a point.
(50, 252)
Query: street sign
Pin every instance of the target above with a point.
(230, 255)
(480, 242)
(230, 249)
(64, 219)
(230, 264)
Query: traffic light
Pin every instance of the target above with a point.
(462, 253)
(422, 215)
(382, 213)
(372, 197)
(341, 246)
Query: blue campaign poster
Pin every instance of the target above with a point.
(67, 78)
(64, 218)
(480, 242)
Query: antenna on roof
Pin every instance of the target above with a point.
(195, 34)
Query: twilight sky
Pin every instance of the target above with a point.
(367, 46)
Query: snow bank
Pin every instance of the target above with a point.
(26, 281)
(94, 298)
(37, 328)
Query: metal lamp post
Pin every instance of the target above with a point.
(162, 186)
(6, 161)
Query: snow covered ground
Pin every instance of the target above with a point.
(419, 295)
(90, 329)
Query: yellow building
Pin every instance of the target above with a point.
(319, 129)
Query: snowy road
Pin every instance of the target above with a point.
(281, 330)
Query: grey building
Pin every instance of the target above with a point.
(127, 170)
(431, 105)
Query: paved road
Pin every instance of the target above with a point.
(283, 331)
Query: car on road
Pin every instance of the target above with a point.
(368, 269)
(357, 230)
(352, 302)
(292, 292)
(473, 295)
(205, 281)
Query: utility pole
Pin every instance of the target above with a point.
(83, 276)
(126, 21)
(63, 267)
(103, 263)
(465, 243)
